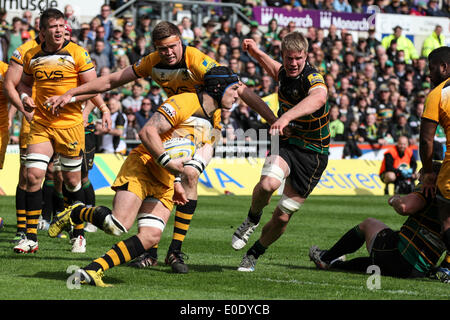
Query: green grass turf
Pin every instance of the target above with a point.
(283, 273)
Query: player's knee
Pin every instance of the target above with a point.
(33, 178)
(269, 184)
(190, 177)
(389, 177)
(113, 225)
(366, 224)
(150, 228)
(288, 206)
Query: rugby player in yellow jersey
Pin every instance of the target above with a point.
(4, 122)
(437, 111)
(176, 68)
(54, 66)
(12, 80)
(145, 183)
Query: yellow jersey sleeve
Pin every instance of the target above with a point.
(82, 59)
(3, 99)
(179, 108)
(198, 62)
(19, 53)
(143, 67)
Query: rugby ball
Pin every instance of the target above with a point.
(179, 147)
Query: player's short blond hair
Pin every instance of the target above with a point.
(294, 41)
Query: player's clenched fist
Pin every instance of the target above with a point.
(249, 45)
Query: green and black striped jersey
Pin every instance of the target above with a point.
(420, 240)
(311, 132)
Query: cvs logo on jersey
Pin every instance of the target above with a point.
(46, 75)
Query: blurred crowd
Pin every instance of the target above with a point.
(377, 89)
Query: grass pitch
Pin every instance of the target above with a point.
(283, 273)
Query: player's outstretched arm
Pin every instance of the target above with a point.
(97, 85)
(271, 66)
(256, 103)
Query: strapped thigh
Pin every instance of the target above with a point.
(37, 160)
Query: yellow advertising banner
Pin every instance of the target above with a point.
(228, 176)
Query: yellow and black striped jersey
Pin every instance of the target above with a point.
(54, 74)
(3, 99)
(185, 113)
(186, 76)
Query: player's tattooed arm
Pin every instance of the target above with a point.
(150, 133)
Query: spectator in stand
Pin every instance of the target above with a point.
(139, 50)
(246, 118)
(155, 95)
(225, 32)
(337, 127)
(403, 43)
(83, 39)
(271, 34)
(229, 126)
(144, 114)
(133, 128)
(401, 128)
(118, 47)
(342, 6)
(415, 118)
(134, 101)
(328, 41)
(267, 86)
(187, 35)
(385, 110)
(357, 6)
(235, 65)
(128, 35)
(105, 20)
(237, 31)
(100, 56)
(349, 45)
(144, 28)
(433, 41)
(393, 7)
(93, 25)
(209, 29)
(345, 108)
(352, 137)
(251, 73)
(72, 19)
(419, 10)
(361, 106)
(433, 9)
(372, 41)
(222, 56)
(113, 138)
(14, 36)
(369, 129)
